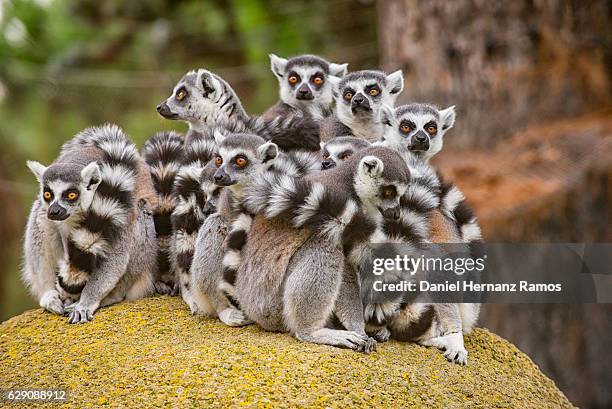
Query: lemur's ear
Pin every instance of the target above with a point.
(371, 166)
(338, 70)
(219, 136)
(395, 82)
(37, 168)
(267, 151)
(206, 81)
(387, 115)
(90, 176)
(335, 83)
(278, 65)
(447, 117)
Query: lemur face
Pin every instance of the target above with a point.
(381, 179)
(304, 79)
(359, 95)
(210, 190)
(240, 158)
(340, 149)
(417, 127)
(199, 97)
(66, 190)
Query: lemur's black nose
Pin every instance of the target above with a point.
(56, 212)
(304, 92)
(358, 99)
(421, 137)
(327, 164)
(159, 108)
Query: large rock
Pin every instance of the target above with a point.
(154, 353)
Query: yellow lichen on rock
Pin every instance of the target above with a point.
(153, 353)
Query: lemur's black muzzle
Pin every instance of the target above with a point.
(360, 103)
(164, 110)
(391, 213)
(327, 164)
(304, 93)
(419, 141)
(221, 178)
(57, 213)
(208, 208)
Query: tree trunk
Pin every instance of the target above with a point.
(504, 64)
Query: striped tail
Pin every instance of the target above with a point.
(163, 152)
(103, 225)
(332, 214)
(453, 205)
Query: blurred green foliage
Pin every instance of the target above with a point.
(66, 65)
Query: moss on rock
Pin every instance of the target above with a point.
(154, 353)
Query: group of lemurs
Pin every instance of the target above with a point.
(257, 219)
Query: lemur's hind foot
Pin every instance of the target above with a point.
(453, 346)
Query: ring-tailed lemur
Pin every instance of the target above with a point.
(316, 282)
(437, 325)
(241, 159)
(206, 101)
(417, 131)
(359, 96)
(339, 149)
(303, 85)
(90, 240)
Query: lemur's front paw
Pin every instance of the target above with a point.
(79, 314)
(52, 302)
(234, 317)
(162, 288)
(380, 334)
(381, 313)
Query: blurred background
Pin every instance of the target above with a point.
(532, 148)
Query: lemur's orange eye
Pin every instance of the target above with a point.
(348, 95)
(431, 129)
(388, 192)
(345, 156)
(373, 92)
(325, 156)
(218, 161)
(293, 80)
(318, 80)
(48, 195)
(405, 128)
(72, 195)
(181, 94)
(241, 162)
